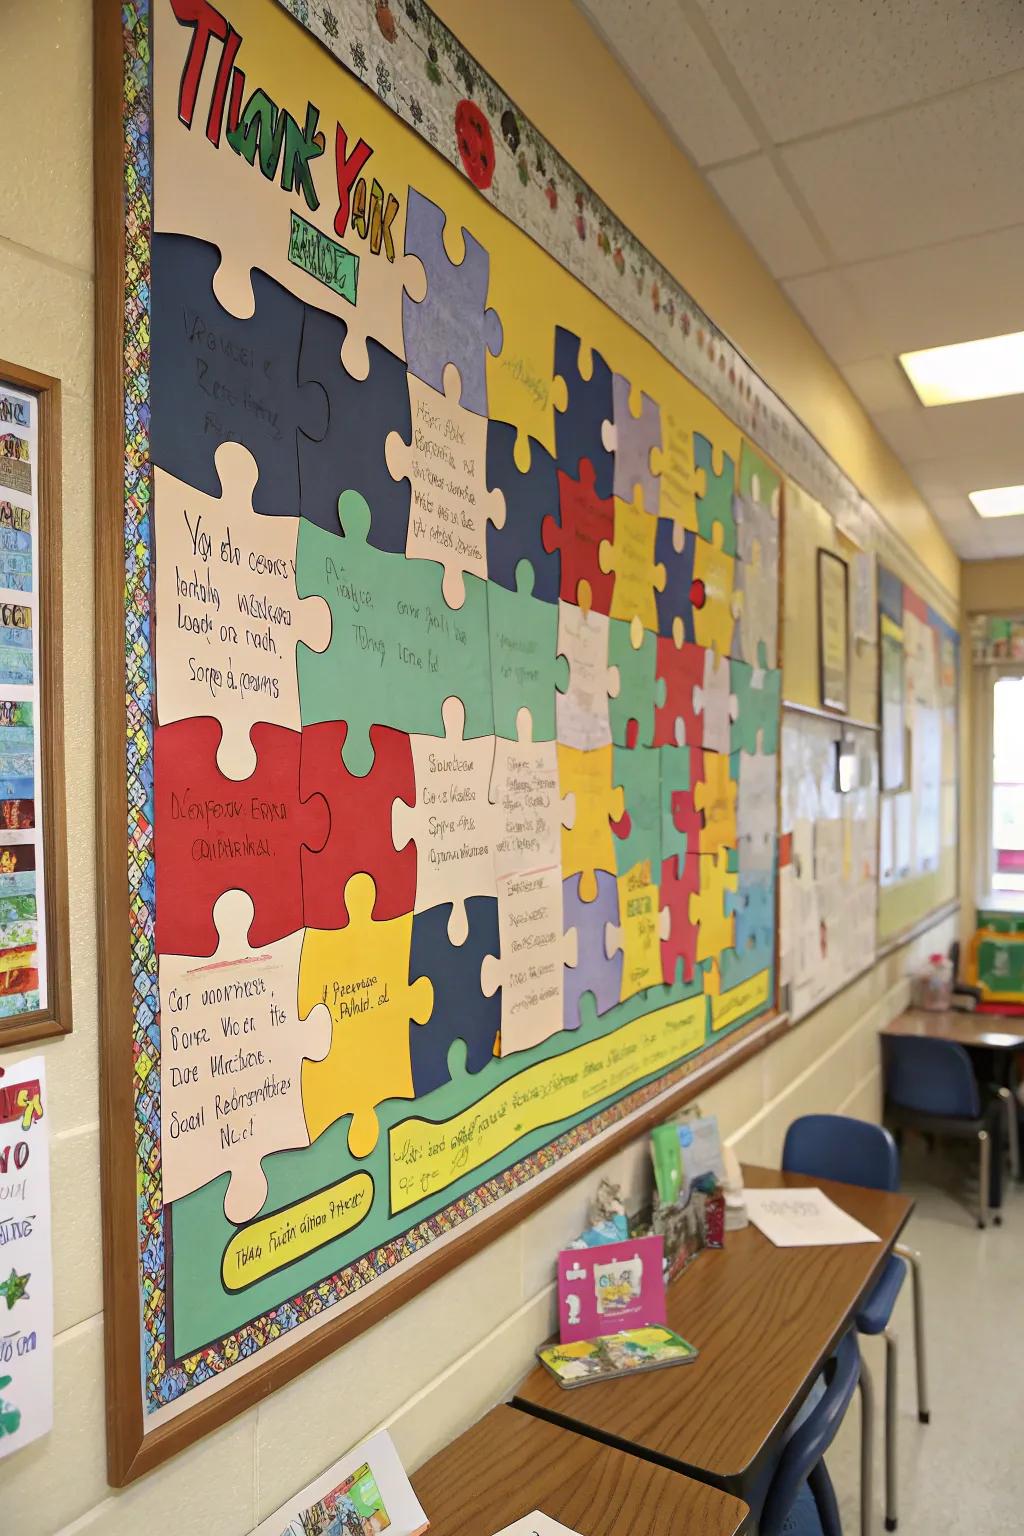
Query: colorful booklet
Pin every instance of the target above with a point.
(616, 1354)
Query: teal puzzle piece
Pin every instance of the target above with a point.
(758, 698)
(715, 506)
(638, 834)
(397, 650)
(525, 669)
(640, 689)
(680, 819)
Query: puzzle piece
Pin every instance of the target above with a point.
(397, 650)
(460, 1011)
(218, 379)
(644, 927)
(223, 573)
(715, 619)
(587, 521)
(582, 710)
(580, 427)
(453, 822)
(755, 916)
(362, 973)
(630, 555)
(715, 705)
(257, 1038)
(451, 324)
(350, 453)
(633, 653)
(359, 840)
(587, 840)
(638, 834)
(714, 503)
(680, 879)
(632, 438)
(710, 906)
(681, 667)
(525, 667)
(534, 953)
(758, 701)
(530, 496)
(445, 463)
(527, 799)
(756, 812)
(214, 834)
(760, 481)
(594, 971)
(681, 821)
(757, 580)
(675, 548)
(714, 795)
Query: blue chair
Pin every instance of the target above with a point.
(800, 1500)
(859, 1152)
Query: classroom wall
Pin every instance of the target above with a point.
(432, 1368)
(992, 586)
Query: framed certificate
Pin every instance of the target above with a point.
(833, 632)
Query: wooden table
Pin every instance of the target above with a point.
(511, 1463)
(977, 1031)
(765, 1320)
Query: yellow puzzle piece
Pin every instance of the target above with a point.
(713, 623)
(631, 557)
(716, 928)
(715, 796)
(587, 840)
(643, 924)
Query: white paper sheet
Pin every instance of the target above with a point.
(26, 1257)
(322, 1504)
(803, 1218)
(537, 1524)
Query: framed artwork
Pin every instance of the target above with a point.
(833, 632)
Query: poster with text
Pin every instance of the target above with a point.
(26, 1259)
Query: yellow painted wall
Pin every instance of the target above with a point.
(992, 586)
(448, 1355)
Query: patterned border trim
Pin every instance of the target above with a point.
(401, 51)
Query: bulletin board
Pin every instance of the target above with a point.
(440, 691)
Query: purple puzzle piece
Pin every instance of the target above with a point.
(593, 971)
(452, 324)
(635, 436)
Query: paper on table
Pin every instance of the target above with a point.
(369, 1485)
(803, 1218)
(537, 1524)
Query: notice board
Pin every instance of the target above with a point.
(441, 697)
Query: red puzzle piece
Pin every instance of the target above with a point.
(359, 841)
(685, 815)
(214, 834)
(680, 879)
(682, 667)
(586, 521)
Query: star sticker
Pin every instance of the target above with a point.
(15, 1288)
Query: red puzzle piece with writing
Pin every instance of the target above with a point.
(682, 667)
(214, 834)
(586, 522)
(680, 879)
(359, 841)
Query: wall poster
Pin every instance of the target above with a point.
(834, 631)
(449, 612)
(26, 1257)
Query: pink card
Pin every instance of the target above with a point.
(603, 1290)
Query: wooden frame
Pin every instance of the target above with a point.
(56, 1017)
(834, 695)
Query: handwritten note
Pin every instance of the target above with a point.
(26, 1260)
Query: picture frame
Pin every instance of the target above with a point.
(833, 632)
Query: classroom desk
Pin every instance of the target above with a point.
(511, 1463)
(976, 1031)
(765, 1320)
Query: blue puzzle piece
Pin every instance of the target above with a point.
(755, 912)
(639, 773)
(529, 498)
(461, 1011)
(579, 428)
(217, 379)
(593, 972)
(677, 599)
(350, 453)
(715, 506)
(758, 700)
(641, 691)
(452, 323)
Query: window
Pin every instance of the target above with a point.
(1007, 844)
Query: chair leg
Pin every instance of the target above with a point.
(891, 1358)
(824, 1496)
(984, 1157)
(1012, 1134)
(914, 1260)
(867, 1446)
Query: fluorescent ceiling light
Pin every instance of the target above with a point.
(1003, 501)
(969, 370)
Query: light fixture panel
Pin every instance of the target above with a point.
(967, 370)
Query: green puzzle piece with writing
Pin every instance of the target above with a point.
(638, 770)
(525, 666)
(640, 689)
(758, 700)
(759, 481)
(714, 503)
(397, 650)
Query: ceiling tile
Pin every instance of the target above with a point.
(879, 384)
(930, 173)
(763, 209)
(834, 315)
(657, 46)
(865, 57)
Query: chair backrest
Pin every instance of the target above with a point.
(933, 1077)
(808, 1444)
(839, 1147)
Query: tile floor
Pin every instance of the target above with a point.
(964, 1472)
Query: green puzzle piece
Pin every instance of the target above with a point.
(397, 650)
(757, 708)
(715, 506)
(768, 480)
(637, 769)
(640, 689)
(675, 779)
(525, 669)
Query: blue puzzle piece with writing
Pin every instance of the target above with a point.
(452, 323)
(641, 691)
(580, 428)
(674, 548)
(715, 506)
(461, 1011)
(217, 379)
(529, 498)
(758, 700)
(594, 971)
